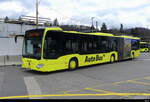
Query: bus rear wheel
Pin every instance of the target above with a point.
(73, 64)
(112, 58)
(132, 55)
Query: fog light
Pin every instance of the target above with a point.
(40, 65)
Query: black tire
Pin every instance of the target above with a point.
(132, 55)
(73, 64)
(112, 58)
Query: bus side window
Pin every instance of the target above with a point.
(85, 46)
(96, 44)
(68, 45)
(99, 48)
(74, 44)
(90, 45)
(113, 45)
(104, 45)
(82, 45)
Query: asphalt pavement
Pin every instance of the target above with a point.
(121, 80)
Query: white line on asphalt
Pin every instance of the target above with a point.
(32, 86)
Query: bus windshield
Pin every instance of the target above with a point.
(32, 46)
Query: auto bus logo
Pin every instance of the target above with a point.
(93, 58)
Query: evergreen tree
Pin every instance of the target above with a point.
(104, 28)
(50, 24)
(6, 19)
(20, 19)
(92, 27)
(56, 22)
(121, 28)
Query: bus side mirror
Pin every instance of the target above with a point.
(16, 37)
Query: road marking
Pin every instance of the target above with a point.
(138, 82)
(32, 86)
(66, 92)
(126, 81)
(119, 82)
(65, 95)
(148, 78)
(142, 59)
(99, 90)
(34, 90)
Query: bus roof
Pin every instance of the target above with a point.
(103, 34)
(54, 29)
(97, 33)
(129, 37)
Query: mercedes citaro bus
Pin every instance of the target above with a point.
(52, 49)
(144, 47)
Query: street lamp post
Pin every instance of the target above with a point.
(92, 23)
(96, 26)
(37, 13)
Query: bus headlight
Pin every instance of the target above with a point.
(40, 65)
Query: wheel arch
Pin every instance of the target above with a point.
(74, 58)
(115, 55)
(70, 67)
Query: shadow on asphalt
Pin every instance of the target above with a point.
(102, 64)
(42, 73)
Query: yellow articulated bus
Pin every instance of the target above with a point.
(52, 49)
(144, 47)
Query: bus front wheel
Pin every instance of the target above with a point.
(112, 58)
(73, 64)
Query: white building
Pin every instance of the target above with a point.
(10, 52)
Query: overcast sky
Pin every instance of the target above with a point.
(131, 13)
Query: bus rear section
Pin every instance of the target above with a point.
(128, 47)
(144, 47)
